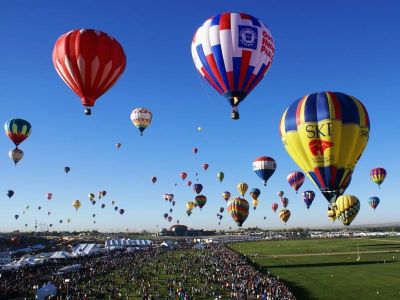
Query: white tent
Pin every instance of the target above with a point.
(85, 249)
(46, 291)
(60, 255)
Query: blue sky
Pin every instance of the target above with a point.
(347, 46)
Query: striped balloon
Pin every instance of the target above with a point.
(374, 202)
(347, 207)
(378, 175)
(233, 51)
(141, 118)
(239, 210)
(296, 180)
(17, 130)
(200, 200)
(89, 62)
(274, 206)
(325, 134)
(285, 202)
(308, 198)
(264, 167)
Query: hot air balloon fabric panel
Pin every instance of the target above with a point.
(325, 134)
(141, 118)
(378, 175)
(17, 130)
(233, 51)
(89, 61)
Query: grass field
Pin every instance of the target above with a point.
(330, 269)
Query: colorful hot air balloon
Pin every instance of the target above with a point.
(141, 118)
(255, 193)
(183, 175)
(197, 187)
(49, 196)
(374, 202)
(238, 208)
(226, 195)
(91, 196)
(325, 134)
(17, 130)
(16, 155)
(200, 200)
(264, 167)
(189, 183)
(118, 145)
(103, 193)
(331, 214)
(285, 202)
(153, 179)
(220, 176)
(308, 198)
(284, 215)
(10, 193)
(67, 169)
(89, 62)
(170, 197)
(233, 51)
(255, 204)
(190, 205)
(347, 207)
(195, 150)
(76, 204)
(280, 194)
(296, 180)
(204, 166)
(242, 188)
(274, 206)
(378, 175)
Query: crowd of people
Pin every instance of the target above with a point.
(181, 272)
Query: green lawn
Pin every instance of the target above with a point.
(326, 274)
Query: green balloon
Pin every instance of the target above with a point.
(220, 176)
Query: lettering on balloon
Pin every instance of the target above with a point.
(267, 45)
(317, 131)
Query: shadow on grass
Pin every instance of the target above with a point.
(330, 264)
(380, 246)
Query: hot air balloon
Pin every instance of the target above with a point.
(204, 166)
(26, 225)
(183, 175)
(89, 62)
(226, 195)
(331, 214)
(61, 221)
(200, 200)
(347, 207)
(169, 219)
(94, 215)
(265, 217)
(121, 211)
(39, 208)
(188, 212)
(285, 202)
(49, 213)
(16, 155)
(116, 208)
(238, 208)
(242, 188)
(255, 204)
(16, 217)
(99, 194)
(91, 196)
(94, 202)
(103, 193)
(378, 175)
(189, 183)
(280, 194)
(221, 210)
(23, 212)
(274, 206)
(199, 129)
(49, 196)
(374, 202)
(10, 193)
(284, 215)
(118, 145)
(190, 205)
(296, 180)
(153, 179)
(103, 205)
(76, 204)
(26, 206)
(220, 176)
(170, 210)
(67, 169)
(264, 167)
(233, 51)
(195, 150)
(165, 215)
(141, 118)
(308, 198)
(51, 225)
(325, 134)
(197, 187)
(170, 197)
(255, 193)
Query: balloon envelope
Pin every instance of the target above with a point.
(141, 118)
(264, 167)
(347, 207)
(17, 130)
(296, 180)
(238, 208)
(378, 175)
